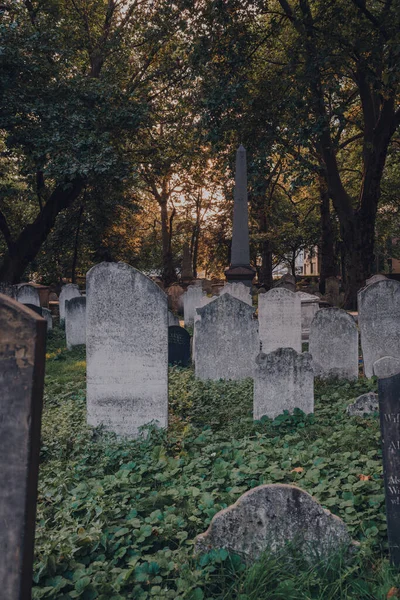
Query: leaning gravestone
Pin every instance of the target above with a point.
(238, 290)
(283, 380)
(192, 299)
(75, 321)
(178, 346)
(389, 411)
(27, 294)
(22, 357)
(379, 322)
(333, 344)
(68, 291)
(126, 349)
(226, 339)
(268, 518)
(366, 404)
(279, 317)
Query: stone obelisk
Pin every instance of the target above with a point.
(240, 269)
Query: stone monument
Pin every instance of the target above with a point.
(279, 317)
(75, 321)
(68, 291)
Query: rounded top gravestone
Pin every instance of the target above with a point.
(379, 322)
(178, 346)
(68, 291)
(27, 294)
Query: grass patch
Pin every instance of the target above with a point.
(117, 518)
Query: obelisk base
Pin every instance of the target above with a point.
(244, 274)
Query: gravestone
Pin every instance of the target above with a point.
(172, 319)
(379, 322)
(269, 517)
(283, 380)
(22, 358)
(204, 301)
(75, 321)
(226, 339)
(126, 349)
(238, 290)
(333, 344)
(366, 404)
(178, 346)
(175, 298)
(192, 299)
(46, 314)
(287, 282)
(375, 278)
(68, 291)
(27, 294)
(279, 317)
(309, 308)
(389, 411)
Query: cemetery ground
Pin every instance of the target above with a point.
(117, 519)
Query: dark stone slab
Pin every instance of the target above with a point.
(389, 409)
(22, 358)
(178, 346)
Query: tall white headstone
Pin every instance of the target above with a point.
(126, 349)
(192, 299)
(238, 290)
(283, 380)
(227, 340)
(75, 321)
(279, 316)
(333, 344)
(27, 294)
(68, 291)
(379, 322)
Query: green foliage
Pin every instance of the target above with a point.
(117, 518)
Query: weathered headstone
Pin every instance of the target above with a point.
(366, 404)
(279, 316)
(375, 278)
(379, 322)
(22, 358)
(226, 339)
(126, 349)
(204, 301)
(333, 344)
(269, 517)
(309, 308)
(75, 321)
(68, 291)
(389, 411)
(178, 346)
(46, 314)
(240, 269)
(172, 319)
(287, 282)
(283, 380)
(238, 290)
(192, 299)
(27, 294)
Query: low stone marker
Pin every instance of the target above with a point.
(379, 322)
(226, 338)
(27, 294)
(366, 404)
(268, 517)
(68, 291)
(178, 346)
(279, 317)
(333, 344)
(389, 410)
(75, 321)
(238, 290)
(126, 349)
(192, 299)
(22, 358)
(283, 380)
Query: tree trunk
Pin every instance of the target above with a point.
(265, 274)
(168, 271)
(25, 248)
(76, 244)
(327, 248)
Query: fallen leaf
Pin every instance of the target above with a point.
(393, 593)
(364, 477)
(297, 470)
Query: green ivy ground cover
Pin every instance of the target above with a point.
(117, 519)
